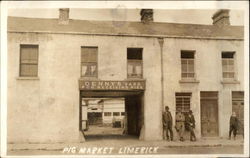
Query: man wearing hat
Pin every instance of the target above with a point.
(190, 123)
(167, 123)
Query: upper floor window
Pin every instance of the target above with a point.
(134, 59)
(89, 61)
(228, 65)
(28, 61)
(187, 65)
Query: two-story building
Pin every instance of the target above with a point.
(54, 63)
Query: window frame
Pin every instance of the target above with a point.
(96, 63)
(183, 95)
(20, 59)
(187, 65)
(227, 60)
(140, 61)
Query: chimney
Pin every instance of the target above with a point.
(63, 16)
(146, 15)
(221, 17)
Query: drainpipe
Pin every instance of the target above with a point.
(161, 41)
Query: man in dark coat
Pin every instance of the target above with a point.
(190, 123)
(233, 125)
(167, 123)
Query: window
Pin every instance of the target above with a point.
(228, 65)
(187, 65)
(116, 114)
(122, 113)
(134, 58)
(28, 60)
(183, 101)
(89, 61)
(107, 113)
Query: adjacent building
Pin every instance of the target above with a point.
(55, 63)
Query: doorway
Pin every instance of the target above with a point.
(238, 108)
(209, 114)
(111, 114)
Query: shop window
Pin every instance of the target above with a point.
(183, 102)
(134, 59)
(28, 60)
(228, 65)
(116, 114)
(89, 61)
(107, 113)
(187, 65)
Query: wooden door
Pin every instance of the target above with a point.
(209, 116)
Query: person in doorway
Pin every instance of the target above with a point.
(190, 122)
(234, 122)
(180, 126)
(167, 123)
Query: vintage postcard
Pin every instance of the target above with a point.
(124, 79)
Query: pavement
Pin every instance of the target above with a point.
(128, 141)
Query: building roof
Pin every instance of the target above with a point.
(21, 24)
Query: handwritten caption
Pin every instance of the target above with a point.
(110, 150)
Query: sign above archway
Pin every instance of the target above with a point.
(112, 85)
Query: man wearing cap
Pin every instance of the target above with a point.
(190, 123)
(233, 125)
(179, 125)
(167, 123)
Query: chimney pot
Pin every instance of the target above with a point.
(221, 18)
(146, 15)
(63, 16)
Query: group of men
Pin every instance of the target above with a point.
(182, 122)
(187, 122)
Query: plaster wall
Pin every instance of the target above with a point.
(46, 108)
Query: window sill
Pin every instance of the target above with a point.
(27, 78)
(230, 82)
(189, 81)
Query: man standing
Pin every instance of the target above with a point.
(233, 125)
(167, 123)
(190, 122)
(180, 126)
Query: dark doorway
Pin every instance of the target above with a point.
(209, 114)
(124, 124)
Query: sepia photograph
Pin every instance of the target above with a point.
(120, 79)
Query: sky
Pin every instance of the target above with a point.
(192, 16)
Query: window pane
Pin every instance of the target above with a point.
(89, 54)
(191, 68)
(107, 113)
(28, 70)
(190, 75)
(89, 69)
(184, 75)
(230, 62)
(29, 54)
(184, 68)
(134, 68)
(183, 61)
(116, 114)
(231, 75)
